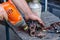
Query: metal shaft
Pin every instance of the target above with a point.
(46, 5)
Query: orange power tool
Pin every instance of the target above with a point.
(14, 16)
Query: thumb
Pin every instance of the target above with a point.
(3, 12)
(5, 15)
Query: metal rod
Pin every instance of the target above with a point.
(8, 25)
(7, 33)
(46, 6)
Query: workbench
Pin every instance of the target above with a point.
(48, 18)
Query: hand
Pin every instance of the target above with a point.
(3, 13)
(33, 17)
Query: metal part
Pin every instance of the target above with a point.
(35, 28)
(32, 33)
(54, 26)
(34, 25)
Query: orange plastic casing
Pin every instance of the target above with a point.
(14, 15)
